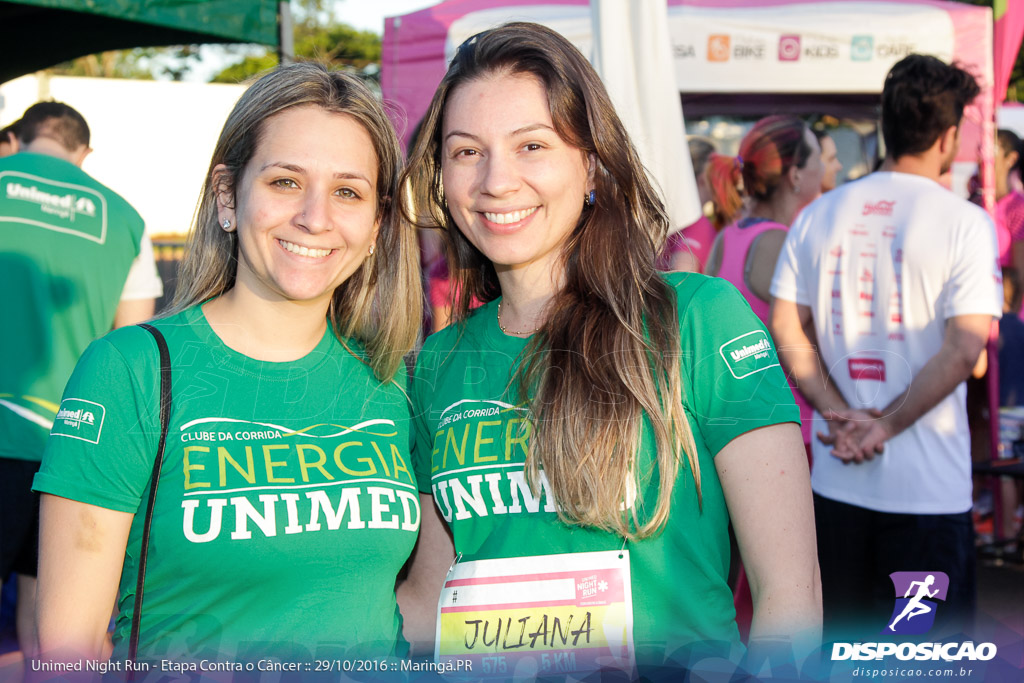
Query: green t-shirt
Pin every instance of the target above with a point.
(66, 245)
(287, 502)
(471, 445)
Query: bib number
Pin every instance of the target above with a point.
(546, 614)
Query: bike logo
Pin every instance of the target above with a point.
(718, 48)
(917, 594)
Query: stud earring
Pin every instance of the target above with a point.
(590, 198)
(371, 249)
(226, 224)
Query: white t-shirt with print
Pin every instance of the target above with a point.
(883, 263)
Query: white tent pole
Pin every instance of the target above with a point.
(633, 55)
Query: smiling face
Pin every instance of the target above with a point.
(513, 186)
(305, 206)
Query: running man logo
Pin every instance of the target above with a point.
(718, 48)
(916, 596)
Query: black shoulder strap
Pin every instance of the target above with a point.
(165, 418)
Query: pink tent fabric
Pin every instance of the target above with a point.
(1009, 30)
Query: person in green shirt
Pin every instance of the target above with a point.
(588, 435)
(75, 262)
(286, 503)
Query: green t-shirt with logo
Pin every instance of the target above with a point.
(286, 505)
(472, 440)
(66, 245)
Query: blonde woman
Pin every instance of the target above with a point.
(587, 435)
(286, 505)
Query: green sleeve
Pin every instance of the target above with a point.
(103, 441)
(421, 382)
(732, 380)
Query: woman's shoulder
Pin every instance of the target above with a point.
(467, 332)
(133, 339)
(133, 346)
(708, 305)
(697, 289)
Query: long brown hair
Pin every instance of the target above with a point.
(608, 353)
(381, 303)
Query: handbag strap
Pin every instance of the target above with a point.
(165, 418)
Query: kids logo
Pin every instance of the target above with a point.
(917, 594)
(789, 48)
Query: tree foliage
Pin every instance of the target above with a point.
(141, 63)
(111, 64)
(318, 37)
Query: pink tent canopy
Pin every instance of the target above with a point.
(1009, 30)
(749, 50)
(727, 46)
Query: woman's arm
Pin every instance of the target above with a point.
(714, 263)
(767, 487)
(81, 552)
(418, 594)
(761, 260)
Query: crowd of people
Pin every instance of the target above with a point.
(276, 466)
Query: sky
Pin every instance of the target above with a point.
(370, 14)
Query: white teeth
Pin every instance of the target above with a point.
(305, 251)
(511, 217)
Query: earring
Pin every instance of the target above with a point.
(590, 198)
(226, 224)
(371, 249)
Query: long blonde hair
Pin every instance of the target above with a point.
(608, 353)
(381, 303)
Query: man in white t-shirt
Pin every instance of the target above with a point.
(894, 280)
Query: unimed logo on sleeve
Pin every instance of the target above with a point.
(79, 419)
(749, 353)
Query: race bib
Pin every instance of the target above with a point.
(527, 616)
